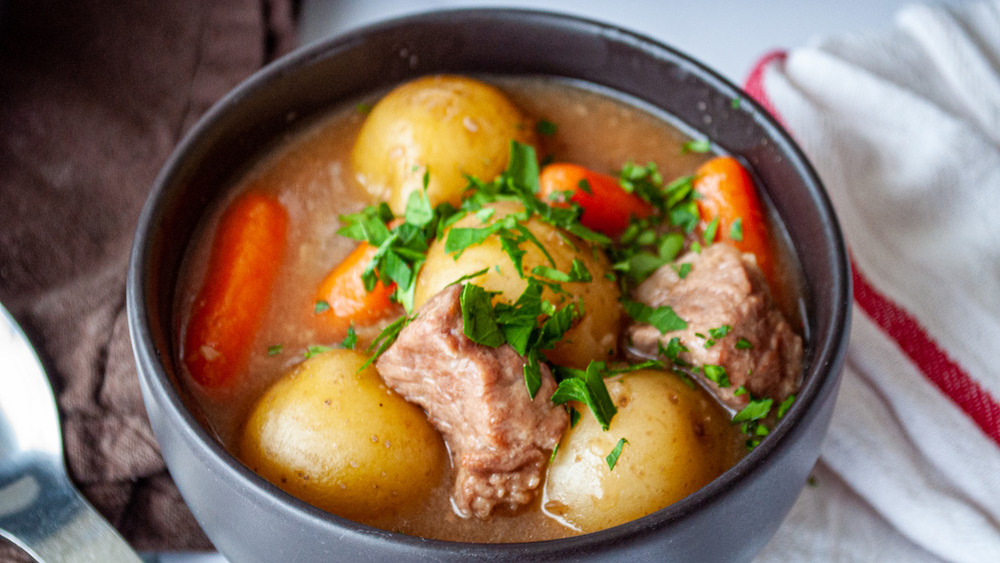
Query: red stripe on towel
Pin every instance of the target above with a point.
(897, 322)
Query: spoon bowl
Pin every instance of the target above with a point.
(40, 509)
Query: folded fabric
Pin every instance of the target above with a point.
(93, 97)
(903, 128)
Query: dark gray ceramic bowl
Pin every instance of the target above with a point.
(247, 518)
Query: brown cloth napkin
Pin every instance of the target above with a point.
(94, 95)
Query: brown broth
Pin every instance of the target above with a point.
(310, 173)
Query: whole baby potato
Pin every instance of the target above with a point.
(341, 440)
(594, 337)
(448, 126)
(678, 441)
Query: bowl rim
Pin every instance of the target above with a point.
(820, 375)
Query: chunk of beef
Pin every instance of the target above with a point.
(476, 397)
(723, 288)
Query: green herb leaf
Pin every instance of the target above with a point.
(589, 389)
(670, 245)
(460, 238)
(716, 374)
(321, 306)
(698, 146)
(545, 127)
(639, 266)
(755, 410)
(683, 270)
(478, 322)
(710, 231)
(532, 373)
(736, 230)
(274, 350)
(720, 332)
(315, 349)
(785, 405)
(522, 167)
(743, 344)
(663, 318)
(584, 186)
(418, 208)
(351, 339)
(386, 338)
(612, 458)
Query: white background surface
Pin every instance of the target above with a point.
(727, 35)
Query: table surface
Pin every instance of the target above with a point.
(727, 35)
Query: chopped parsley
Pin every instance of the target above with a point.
(545, 127)
(274, 350)
(321, 306)
(716, 374)
(587, 387)
(315, 350)
(612, 458)
(736, 230)
(751, 419)
(386, 338)
(350, 340)
(744, 344)
(697, 145)
(710, 231)
(785, 405)
(663, 318)
(755, 410)
(683, 270)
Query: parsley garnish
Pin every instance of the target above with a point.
(400, 251)
(663, 318)
(710, 231)
(716, 374)
(755, 410)
(351, 339)
(386, 338)
(315, 350)
(321, 306)
(697, 145)
(744, 344)
(612, 458)
(736, 230)
(478, 322)
(545, 127)
(274, 350)
(785, 405)
(587, 387)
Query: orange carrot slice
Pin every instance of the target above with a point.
(607, 207)
(244, 262)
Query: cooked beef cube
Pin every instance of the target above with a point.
(723, 288)
(476, 397)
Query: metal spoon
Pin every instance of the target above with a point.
(40, 510)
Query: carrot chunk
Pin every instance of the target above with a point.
(244, 262)
(342, 300)
(607, 207)
(728, 194)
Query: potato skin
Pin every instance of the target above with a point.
(678, 441)
(447, 125)
(594, 337)
(342, 440)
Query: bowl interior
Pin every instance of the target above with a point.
(310, 80)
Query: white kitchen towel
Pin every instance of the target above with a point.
(903, 128)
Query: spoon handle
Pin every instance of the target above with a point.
(59, 525)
